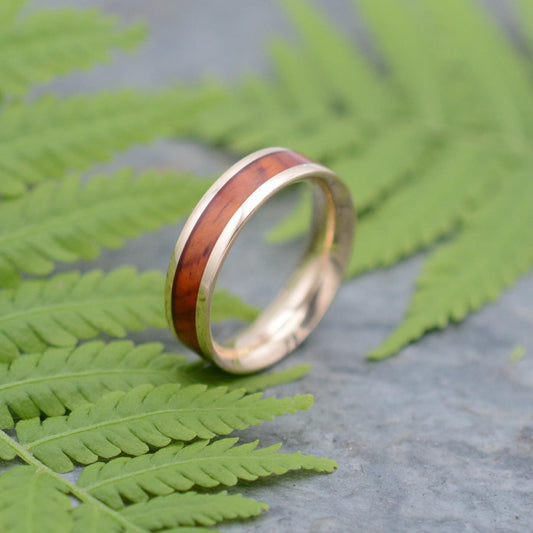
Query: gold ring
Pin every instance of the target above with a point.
(209, 234)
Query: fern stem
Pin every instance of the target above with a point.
(81, 494)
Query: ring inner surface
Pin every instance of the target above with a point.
(302, 301)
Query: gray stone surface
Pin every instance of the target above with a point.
(438, 439)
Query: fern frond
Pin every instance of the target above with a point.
(64, 308)
(494, 69)
(61, 379)
(297, 222)
(130, 422)
(409, 146)
(349, 80)
(47, 43)
(199, 372)
(60, 310)
(403, 40)
(191, 529)
(33, 501)
(45, 139)
(190, 509)
(9, 9)
(525, 17)
(472, 269)
(452, 81)
(461, 175)
(318, 121)
(227, 306)
(180, 467)
(368, 174)
(6, 452)
(71, 220)
(90, 519)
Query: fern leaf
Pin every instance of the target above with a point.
(61, 379)
(349, 81)
(145, 416)
(313, 121)
(60, 310)
(368, 174)
(180, 467)
(452, 81)
(245, 136)
(89, 518)
(46, 43)
(64, 308)
(472, 269)
(190, 509)
(494, 68)
(227, 306)
(462, 174)
(399, 28)
(525, 16)
(294, 72)
(68, 221)
(297, 222)
(47, 138)
(191, 529)
(6, 452)
(199, 372)
(9, 9)
(33, 501)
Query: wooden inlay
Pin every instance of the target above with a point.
(204, 235)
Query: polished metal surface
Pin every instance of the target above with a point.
(304, 299)
(193, 219)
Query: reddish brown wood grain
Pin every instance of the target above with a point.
(198, 248)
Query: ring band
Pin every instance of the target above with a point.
(208, 235)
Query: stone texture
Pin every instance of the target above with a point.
(438, 439)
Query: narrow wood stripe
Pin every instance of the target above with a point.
(204, 235)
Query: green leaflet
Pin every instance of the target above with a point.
(33, 502)
(446, 290)
(226, 305)
(61, 379)
(347, 77)
(61, 309)
(297, 223)
(64, 308)
(495, 70)
(190, 508)
(368, 175)
(9, 9)
(46, 43)
(461, 175)
(146, 416)
(180, 467)
(69, 221)
(525, 16)
(44, 139)
(406, 47)
(191, 529)
(6, 452)
(199, 372)
(90, 519)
